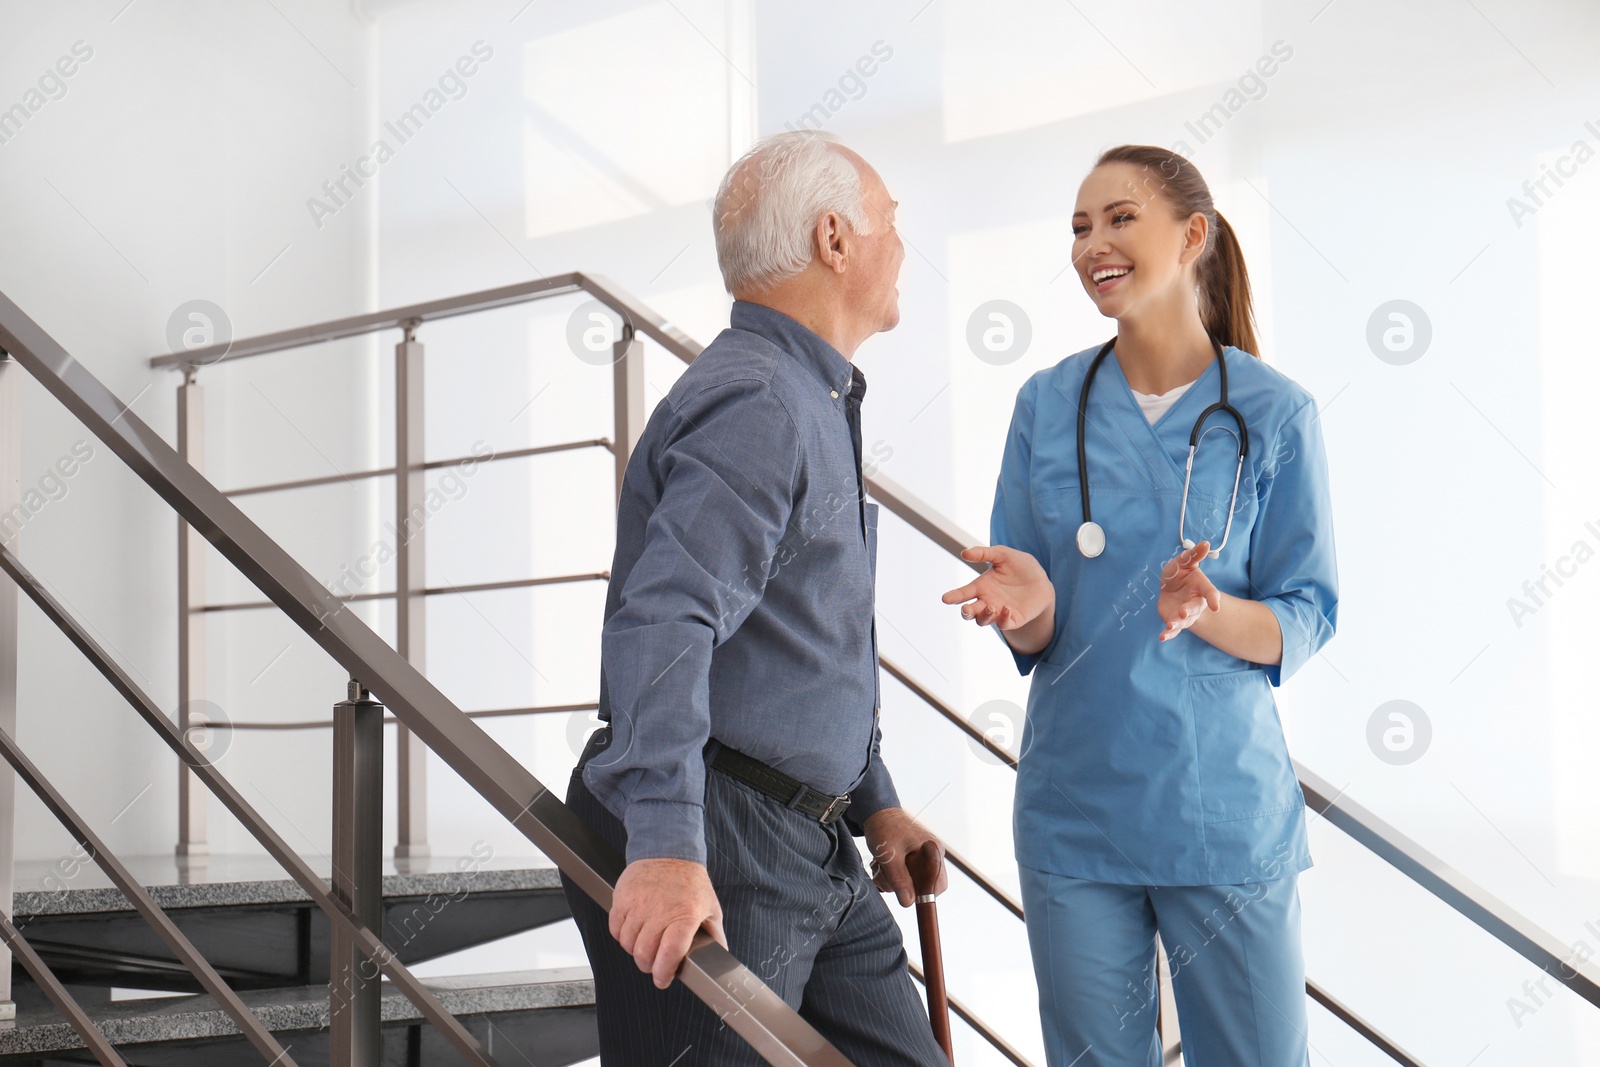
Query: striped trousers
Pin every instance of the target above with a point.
(798, 909)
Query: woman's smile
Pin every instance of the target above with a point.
(1107, 276)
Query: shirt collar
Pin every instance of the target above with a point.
(836, 374)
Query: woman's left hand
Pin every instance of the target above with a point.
(1185, 591)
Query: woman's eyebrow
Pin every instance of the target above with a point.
(1109, 207)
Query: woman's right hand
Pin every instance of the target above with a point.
(1012, 593)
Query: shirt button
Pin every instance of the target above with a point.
(834, 393)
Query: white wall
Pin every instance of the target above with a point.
(172, 168)
(1374, 164)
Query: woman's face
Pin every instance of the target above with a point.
(1129, 249)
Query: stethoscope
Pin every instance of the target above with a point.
(1091, 537)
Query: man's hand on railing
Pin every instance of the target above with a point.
(892, 835)
(1015, 594)
(657, 908)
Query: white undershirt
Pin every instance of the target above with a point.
(1154, 405)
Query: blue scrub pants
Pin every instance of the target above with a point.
(1238, 975)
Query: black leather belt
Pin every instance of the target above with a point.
(752, 772)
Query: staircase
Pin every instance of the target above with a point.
(265, 936)
(253, 963)
(543, 1018)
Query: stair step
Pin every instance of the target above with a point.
(197, 1018)
(89, 899)
(261, 932)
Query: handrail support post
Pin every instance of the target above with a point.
(355, 982)
(10, 504)
(411, 610)
(192, 848)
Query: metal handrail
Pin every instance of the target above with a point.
(152, 913)
(430, 465)
(640, 318)
(1487, 912)
(434, 590)
(324, 724)
(736, 994)
(637, 318)
(928, 697)
(971, 1018)
(1530, 941)
(338, 912)
(983, 881)
(54, 991)
(1339, 1010)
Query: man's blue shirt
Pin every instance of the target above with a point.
(741, 597)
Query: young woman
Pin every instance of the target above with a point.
(1163, 556)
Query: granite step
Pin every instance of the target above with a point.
(262, 932)
(522, 1017)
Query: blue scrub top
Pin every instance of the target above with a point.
(1151, 762)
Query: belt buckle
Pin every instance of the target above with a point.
(834, 809)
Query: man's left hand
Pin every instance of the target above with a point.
(892, 835)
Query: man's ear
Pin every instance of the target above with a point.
(830, 241)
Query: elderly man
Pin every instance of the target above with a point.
(739, 658)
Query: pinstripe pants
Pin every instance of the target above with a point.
(798, 909)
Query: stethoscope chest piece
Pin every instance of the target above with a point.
(1091, 539)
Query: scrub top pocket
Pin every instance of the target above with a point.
(1244, 766)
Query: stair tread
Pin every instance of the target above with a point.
(294, 1008)
(81, 888)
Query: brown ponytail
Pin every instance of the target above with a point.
(1225, 306)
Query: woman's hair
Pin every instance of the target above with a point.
(765, 215)
(1225, 306)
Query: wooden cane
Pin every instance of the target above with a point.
(926, 865)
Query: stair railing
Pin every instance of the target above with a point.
(745, 1004)
(452, 733)
(1493, 916)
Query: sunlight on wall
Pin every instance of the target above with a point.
(1005, 68)
(621, 147)
(1025, 265)
(1570, 381)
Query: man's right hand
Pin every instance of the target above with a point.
(657, 908)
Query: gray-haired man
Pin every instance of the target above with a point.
(739, 658)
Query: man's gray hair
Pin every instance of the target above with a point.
(766, 210)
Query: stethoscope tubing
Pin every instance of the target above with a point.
(1195, 433)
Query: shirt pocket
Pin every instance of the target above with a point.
(1242, 760)
(871, 519)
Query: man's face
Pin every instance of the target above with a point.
(876, 256)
